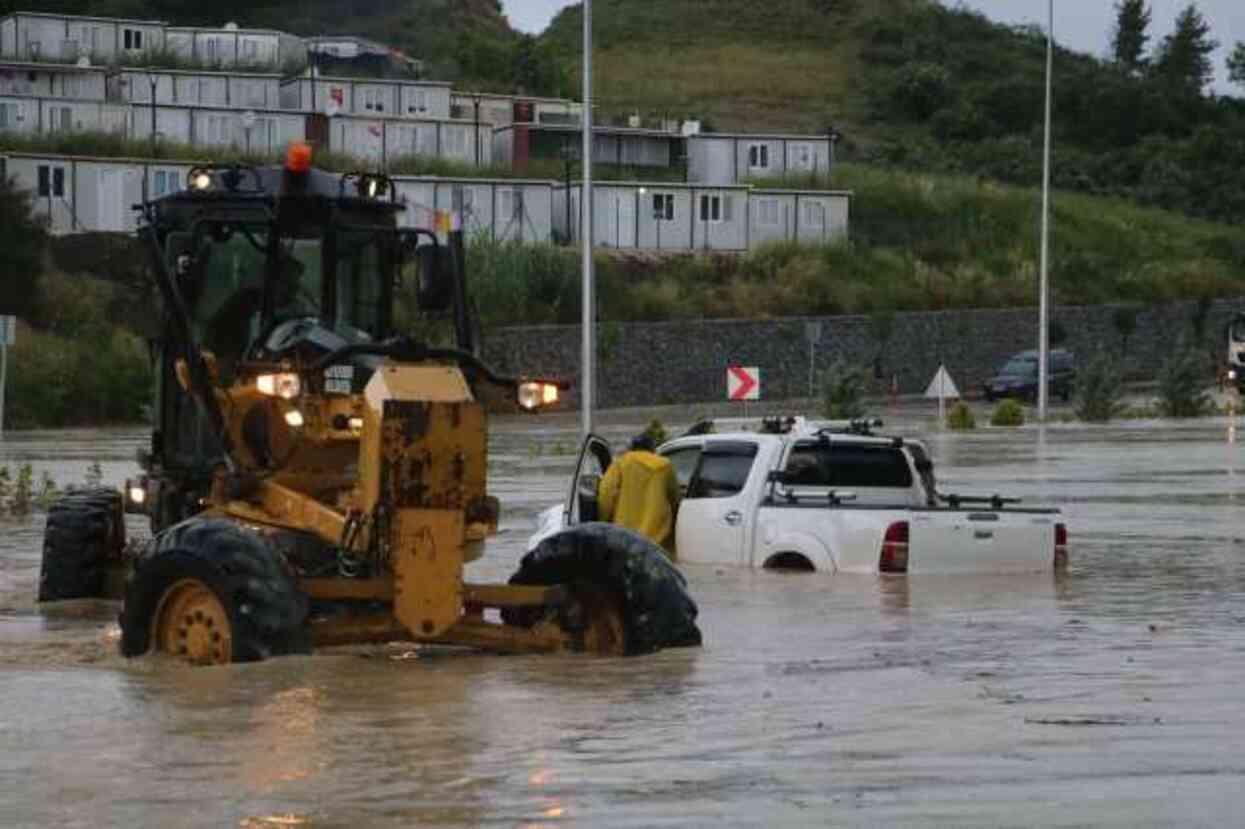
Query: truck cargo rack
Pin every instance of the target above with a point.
(995, 501)
(786, 425)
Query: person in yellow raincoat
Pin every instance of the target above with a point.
(641, 492)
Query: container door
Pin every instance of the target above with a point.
(109, 215)
(581, 501)
(715, 519)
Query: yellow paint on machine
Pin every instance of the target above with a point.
(428, 565)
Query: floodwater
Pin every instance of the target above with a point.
(1110, 696)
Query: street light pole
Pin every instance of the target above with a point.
(1044, 290)
(586, 234)
(475, 100)
(153, 81)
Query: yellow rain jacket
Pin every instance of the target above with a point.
(641, 492)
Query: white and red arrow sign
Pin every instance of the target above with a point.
(743, 383)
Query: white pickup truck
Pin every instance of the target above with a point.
(828, 496)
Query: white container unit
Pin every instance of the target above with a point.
(92, 195)
(808, 216)
(516, 210)
(36, 36)
(378, 98)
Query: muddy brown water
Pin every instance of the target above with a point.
(1108, 696)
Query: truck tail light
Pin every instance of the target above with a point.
(894, 558)
(1061, 546)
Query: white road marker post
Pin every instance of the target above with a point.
(942, 387)
(942, 398)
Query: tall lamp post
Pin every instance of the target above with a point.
(1044, 290)
(154, 81)
(475, 102)
(589, 301)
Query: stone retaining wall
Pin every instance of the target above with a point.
(685, 362)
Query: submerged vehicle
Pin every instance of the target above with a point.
(1236, 353)
(1018, 377)
(792, 493)
(316, 477)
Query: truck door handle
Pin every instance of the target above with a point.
(734, 517)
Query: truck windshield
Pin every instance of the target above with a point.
(1238, 330)
(1019, 367)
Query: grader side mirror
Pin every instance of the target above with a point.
(434, 271)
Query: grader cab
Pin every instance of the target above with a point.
(316, 477)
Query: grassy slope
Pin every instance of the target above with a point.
(783, 64)
(920, 242)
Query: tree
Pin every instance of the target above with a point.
(1132, 20)
(1183, 61)
(1236, 64)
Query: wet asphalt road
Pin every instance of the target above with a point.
(1107, 696)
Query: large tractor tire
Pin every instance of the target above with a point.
(626, 597)
(210, 592)
(85, 529)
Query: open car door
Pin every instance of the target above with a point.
(581, 502)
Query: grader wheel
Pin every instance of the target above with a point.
(193, 625)
(209, 592)
(84, 530)
(626, 597)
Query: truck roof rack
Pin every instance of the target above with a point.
(786, 425)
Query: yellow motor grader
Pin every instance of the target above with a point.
(315, 477)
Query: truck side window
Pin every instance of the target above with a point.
(848, 466)
(723, 470)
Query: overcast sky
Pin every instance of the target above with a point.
(1084, 25)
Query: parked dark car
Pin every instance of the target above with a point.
(1019, 376)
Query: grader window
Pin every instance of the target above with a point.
(224, 286)
(361, 281)
(223, 271)
(298, 282)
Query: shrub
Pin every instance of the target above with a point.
(921, 89)
(1100, 387)
(1008, 413)
(1182, 386)
(961, 417)
(843, 388)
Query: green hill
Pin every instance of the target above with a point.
(917, 85)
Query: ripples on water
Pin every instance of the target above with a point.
(1108, 696)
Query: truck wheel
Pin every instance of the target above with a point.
(84, 530)
(626, 596)
(209, 592)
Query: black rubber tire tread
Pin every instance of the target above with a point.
(85, 528)
(657, 610)
(267, 610)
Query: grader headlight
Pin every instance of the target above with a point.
(536, 394)
(199, 179)
(286, 385)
